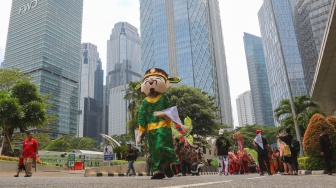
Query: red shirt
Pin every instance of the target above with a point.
(21, 161)
(29, 148)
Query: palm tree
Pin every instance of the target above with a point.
(135, 96)
(305, 108)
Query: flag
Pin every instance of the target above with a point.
(258, 140)
(172, 113)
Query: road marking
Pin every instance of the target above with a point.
(256, 177)
(198, 184)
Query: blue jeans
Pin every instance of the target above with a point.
(130, 166)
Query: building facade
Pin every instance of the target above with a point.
(276, 22)
(310, 21)
(91, 93)
(123, 66)
(44, 39)
(260, 91)
(184, 38)
(245, 109)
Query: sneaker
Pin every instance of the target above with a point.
(16, 175)
(125, 175)
(220, 174)
(261, 174)
(27, 175)
(226, 174)
(330, 173)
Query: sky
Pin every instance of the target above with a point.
(99, 17)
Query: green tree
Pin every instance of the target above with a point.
(249, 133)
(305, 108)
(135, 96)
(21, 107)
(122, 139)
(59, 144)
(197, 105)
(190, 102)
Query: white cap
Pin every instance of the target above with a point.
(221, 131)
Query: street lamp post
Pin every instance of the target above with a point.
(287, 81)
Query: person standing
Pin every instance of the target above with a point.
(287, 161)
(130, 157)
(263, 146)
(326, 148)
(29, 152)
(222, 150)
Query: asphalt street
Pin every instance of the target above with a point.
(75, 179)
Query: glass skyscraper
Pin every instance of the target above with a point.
(260, 91)
(276, 21)
(184, 38)
(91, 93)
(44, 39)
(310, 20)
(123, 66)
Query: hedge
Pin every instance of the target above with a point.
(311, 163)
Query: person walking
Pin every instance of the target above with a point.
(21, 166)
(29, 152)
(130, 157)
(262, 151)
(222, 150)
(326, 148)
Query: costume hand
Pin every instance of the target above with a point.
(159, 113)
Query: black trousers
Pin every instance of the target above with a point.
(328, 157)
(185, 167)
(262, 159)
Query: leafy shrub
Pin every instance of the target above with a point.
(311, 163)
(6, 158)
(332, 120)
(311, 144)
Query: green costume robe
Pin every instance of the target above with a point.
(159, 131)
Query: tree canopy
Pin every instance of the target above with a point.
(190, 102)
(68, 143)
(21, 106)
(305, 108)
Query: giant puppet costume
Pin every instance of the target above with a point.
(155, 123)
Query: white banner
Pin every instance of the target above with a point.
(258, 140)
(172, 113)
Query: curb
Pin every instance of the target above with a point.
(312, 172)
(108, 174)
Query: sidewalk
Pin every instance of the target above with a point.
(65, 173)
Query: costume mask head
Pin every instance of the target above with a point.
(156, 81)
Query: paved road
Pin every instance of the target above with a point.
(76, 180)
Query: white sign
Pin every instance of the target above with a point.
(31, 5)
(71, 163)
(258, 140)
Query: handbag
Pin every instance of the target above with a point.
(286, 150)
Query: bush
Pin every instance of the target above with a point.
(311, 163)
(311, 144)
(332, 120)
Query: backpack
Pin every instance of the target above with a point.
(286, 150)
(295, 145)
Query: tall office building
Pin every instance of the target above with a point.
(260, 91)
(44, 39)
(184, 38)
(245, 109)
(276, 21)
(123, 66)
(91, 93)
(310, 20)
